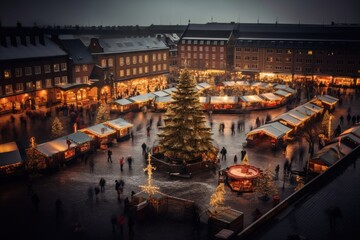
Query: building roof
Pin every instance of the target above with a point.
(275, 130)
(121, 45)
(9, 154)
(289, 119)
(209, 31)
(328, 99)
(49, 49)
(166, 99)
(77, 51)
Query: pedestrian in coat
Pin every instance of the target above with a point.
(235, 159)
(223, 153)
(102, 185)
(109, 153)
(121, 163)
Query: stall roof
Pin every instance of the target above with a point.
(350, 136)
(97, 130)
(251, 98)
(204, 99)
(142, 98)
(223, 99)
(166, 99)
(228, 83)
(313, 107)
(330, 154)
(9, 154)
(169, 90)
(353, 130)
(204, 85)
(328, 99)
(79, 137)
(123, 102)
(160, 93)
(298, 115)
(288, 89)
(271, 97)
(282, 93)
(242, 83)
(289, 119)
(280, 86)
(274, 130)
(55, 146)
(119, 123)
(304, 110)
(261, 85)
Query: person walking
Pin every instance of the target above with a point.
(129, 160)
(117, 188)
(109, 153)
(121, 164)
(232, 129)
(102, 184)
(143, 146)
(223, 153)
(235, 159)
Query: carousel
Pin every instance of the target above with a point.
(242, 177)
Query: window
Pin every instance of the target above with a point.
(37, 70)
(19, 87)
(64, 80)
(121, 61)
(56, 68)
(200, 48)
(221, 49)
(189, 48)
(207, 42)
(47, 69)
(255, 50)
(110, 62)
(247, 49)
(269, 59)
(237, 49)
(238, 57)
(277, 59)
(127, 60)
(298, 69)
(38, 84)
(221, 42)
(154, 57)
(128, 72)
(154, 68)
(164, 56)
(269, 50)
(310, 52)
(195, 55)
(278, 50)
(140, 70)
(48, 82)
(189, 41)
(146, 69)
(134, 71)
(207, 56)
(103, 62)
(268, 67)
(159, 56)
(247, 58)
(201, 42)
(189, 55)
(121, 73)
(254, 58)
(78, 80)
(213, 49)
(195, 41)
(18, 72)
(29, 86)
(308, 61)
(213, 64)
(84, 68)
(8, 89)
(77, 68)
(159, 67)
(206, 49)
(85, 79)
(288, 51)
(246, 66)
(134, 60)
(278, 67)
(195, 48)
(254, 66)
(63, 67)
(140, 59)
(28, 71)
(182, 55)
(287, 68)
(146, 58)
(7, 73)
(57, 80)
(164, 66)
(288, 60)
(215, 42)
(182, 48)
(200, 55)
(298, 60)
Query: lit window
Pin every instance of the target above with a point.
(7, 74)
(310, 52)
(85, 79)
(140, 59)
(159, 56)
(19, 87)
(154, 57)
(182, 48)
(121, 73)
(134, 60)
(64, 80)
(127, 60)
(189, 48)
(38, 84)
(48, 82)
(164, 67)
(8, 89)
(159, 67)
(206, 49)
(221, 49)
(140, 70)
(213, 56)
(18, 72)
(57, 80)
(134, 71)
(37, 70)
(165, 56)
(29, 85)
(213, 49)
(121, 61)
(63, 67)
(195, 48)
(200, 48)
(189, 55)
(47, 69)
(146, 69)
(56, 68)
(206, 56)
(154, 68)
(128, 72)
(146, 58)
(78, 80)
(77, 68)
(84, 68)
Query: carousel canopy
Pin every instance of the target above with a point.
(251, 98)
(282, 93)
(55, 146)
(123, 102)
(142, 98)
(270, 97)
(99, 130)
(119, 123)
(79, 137)
(160, 94)
(204, 85)
(328, 99)
(275, 130)
(223, 99)
(165, 99)
(9, 154)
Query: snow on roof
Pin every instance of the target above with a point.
(9, 154)
(169, 90)
(123, 102)
(160, 93)
(55, 146)
(165, 99)
(251, 98)
(223, 99)
(119, 123)
(99, 130)
(79, 137)
(143, 97)
(204, 85)
(271, 97)
(282, 93)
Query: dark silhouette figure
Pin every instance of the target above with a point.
(109, 153)
(143, 146)
(223, 153)
(235, 159)
(102, 184)
(333, 213)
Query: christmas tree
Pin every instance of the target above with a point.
(218, 197)
(57, 129)
(32, 158)
(102, 114)
(185, 136)
(326, 125)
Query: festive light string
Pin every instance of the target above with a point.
(149, 188)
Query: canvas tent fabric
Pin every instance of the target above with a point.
(9, 154)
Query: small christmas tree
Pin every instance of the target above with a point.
(185, 136)
(326, 125)
(32, 158)
(57, 129)
(218, 197)
(103, 114)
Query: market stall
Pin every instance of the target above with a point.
(327, 101)
(123, 105)
(11, 162)
(122, 127)
(169, 90)
(83, 142)
(283, 93)
(223, 102)
(101, 134)
(143, 100)
(271, 100)
(251, 102)
(161, 103)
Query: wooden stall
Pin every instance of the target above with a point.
(122, 127)
(225, 219)
(161, 103)
(123, 105)
(102, 135)
(327, 101)
(251, 102)
(143, 100)
(223, 102)
(83, 142)
(11, 161)
(271, 100)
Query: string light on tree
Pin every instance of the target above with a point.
(149, 188)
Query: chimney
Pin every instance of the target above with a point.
(13, 40)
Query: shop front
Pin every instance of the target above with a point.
(122, 127)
